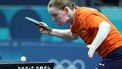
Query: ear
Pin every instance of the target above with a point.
(66, 10)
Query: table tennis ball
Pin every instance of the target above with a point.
(23, 58)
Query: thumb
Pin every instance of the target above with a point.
(44, 24)
(88, 46)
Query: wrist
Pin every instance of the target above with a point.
(94, 46)
(51, 32)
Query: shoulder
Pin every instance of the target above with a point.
(85, 10)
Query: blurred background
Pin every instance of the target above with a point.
(19, 37)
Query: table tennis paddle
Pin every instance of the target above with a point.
(41, 24)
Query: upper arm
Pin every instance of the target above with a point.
(104, 24)
(104, 28)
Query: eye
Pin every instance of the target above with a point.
(54, 15)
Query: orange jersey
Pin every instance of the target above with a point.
(86, 24)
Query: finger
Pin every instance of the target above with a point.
(90, 54)
(41, 26)
(88, 46)
(44, 23)
(41, 29)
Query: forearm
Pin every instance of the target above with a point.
(66, 34)
(104, 29)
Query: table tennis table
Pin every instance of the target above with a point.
(26, 65)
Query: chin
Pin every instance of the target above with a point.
(60, 24)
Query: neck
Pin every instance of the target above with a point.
(70, 21)
(72, 12)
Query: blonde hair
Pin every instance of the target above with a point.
(60, 4)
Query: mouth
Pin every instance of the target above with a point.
(58, 23)
(55, 21)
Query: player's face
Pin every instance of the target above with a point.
(59, 16)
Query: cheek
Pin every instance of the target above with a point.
(64, 17)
